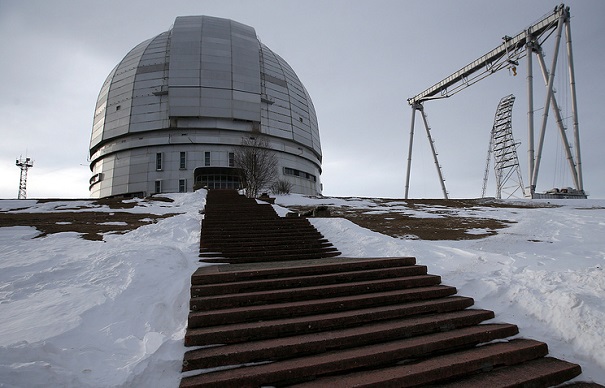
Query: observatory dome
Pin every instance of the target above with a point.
(171, 113)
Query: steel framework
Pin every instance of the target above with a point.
(507, 55)
(24, 164)
(504, 148)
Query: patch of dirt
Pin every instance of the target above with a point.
(444, 223)
(92, 225)
(112, 203)
(444, 228)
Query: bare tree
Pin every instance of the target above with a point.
(257, 164)
(281, 186)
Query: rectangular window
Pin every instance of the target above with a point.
(298, 173)
(231, 159)
(183, 161)
(182, 185)
(158, 187)
(158, 161)
(207, 159)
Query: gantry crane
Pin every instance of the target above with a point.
(507, 56)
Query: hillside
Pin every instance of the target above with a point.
(95, 293)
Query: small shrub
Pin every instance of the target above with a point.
(281, 187)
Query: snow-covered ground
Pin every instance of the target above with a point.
(112, 313)
(80, 313)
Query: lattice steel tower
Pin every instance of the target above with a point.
(502, 145)
(24, 164)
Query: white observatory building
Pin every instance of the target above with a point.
(170, 114)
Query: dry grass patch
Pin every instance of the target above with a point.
(442, 222)
(91, 224)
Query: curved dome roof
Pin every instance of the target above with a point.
(209, 68)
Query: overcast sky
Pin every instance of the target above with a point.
(360, 61)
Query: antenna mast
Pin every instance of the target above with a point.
(24, 164)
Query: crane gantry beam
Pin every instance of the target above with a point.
(507, 55)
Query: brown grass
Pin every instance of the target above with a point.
(91, 224)
(393, 222)
(448, 225)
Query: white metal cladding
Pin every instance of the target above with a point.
(214, 69)
(196, 88)
(289, 112)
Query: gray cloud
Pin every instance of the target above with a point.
(360, 61)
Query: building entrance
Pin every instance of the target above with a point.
(217, 178)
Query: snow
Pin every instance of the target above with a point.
(79, 313)
(113, 313)
(543, 273)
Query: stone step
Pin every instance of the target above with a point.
(252, 232)
(256, 256)
(267, 225)
(263, 251)
(420, 372)
(305, 281)
(266, 242)
(262, 259)
(227, 240)
(228, 334)
(299, 362)
(233, 208)
(285, 248)
(238, 220)
(254, 224)
(222, 220)
(323, 320)
(306, 293)
(329, 321)
(274, 241)
(218, 274)
(541, 372)
(320, 306)
(242, 221)
(257, 234)
(442, 368)
(267, 230)
(245, 219)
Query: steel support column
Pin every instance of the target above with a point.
(409, 166)
(549, 93)
(574, 105)
(557, 112)
(531, 46)
(432, 144)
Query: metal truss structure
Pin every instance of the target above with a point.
(24, 164)
(507, 56)
(502, 145)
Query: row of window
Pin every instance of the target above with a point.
(210, 181)
(218, 180)
(159, 160)
(300, 174)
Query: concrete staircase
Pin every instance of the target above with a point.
(237, 229)
(340, 322)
